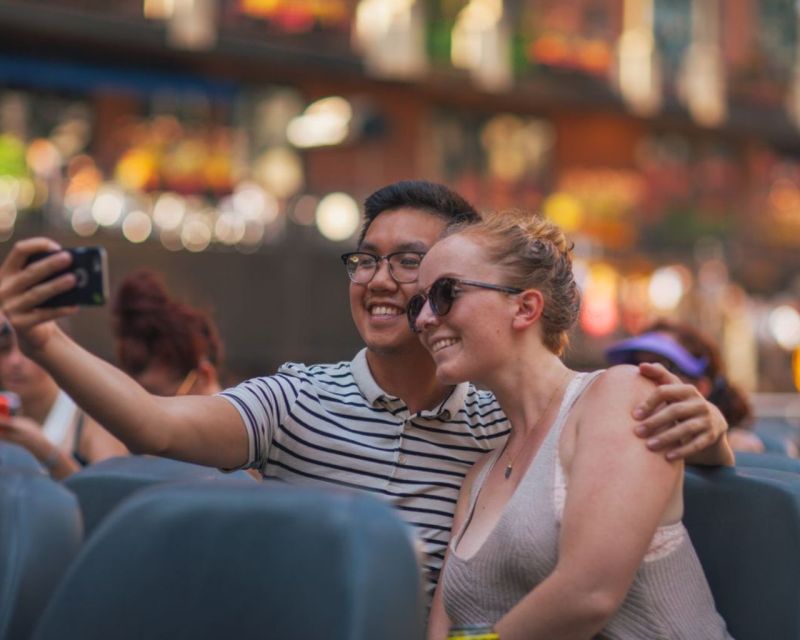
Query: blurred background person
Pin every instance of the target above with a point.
(696, 358)
(169, 347)
(59, 434)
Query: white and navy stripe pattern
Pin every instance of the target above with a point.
(333, 424)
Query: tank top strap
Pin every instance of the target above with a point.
(477, 483)
(579, 383)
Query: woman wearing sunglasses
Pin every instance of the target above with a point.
(571, 530)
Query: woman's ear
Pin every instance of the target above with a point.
(207, 379)
(530, 305)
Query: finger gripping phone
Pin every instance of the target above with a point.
(89, 264)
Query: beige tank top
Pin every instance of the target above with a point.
(669, 598)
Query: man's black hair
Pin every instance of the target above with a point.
(430, 197)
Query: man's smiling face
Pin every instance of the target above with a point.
(378, 307)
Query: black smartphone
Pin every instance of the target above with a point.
(89, 264)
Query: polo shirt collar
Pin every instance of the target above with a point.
(446, 409)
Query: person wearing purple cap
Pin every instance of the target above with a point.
(695, 358)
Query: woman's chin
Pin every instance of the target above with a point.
(448, 375)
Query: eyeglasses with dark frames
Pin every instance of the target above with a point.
(403, 265)
(441, 295)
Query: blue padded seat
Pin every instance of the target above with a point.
(777, 434)
(745, 526)
(241, 560)
(40, 534)
(102, 486)
(767, 461)
(13, 456)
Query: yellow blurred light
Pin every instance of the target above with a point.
(136, 169)
(137, 226)
(251, 201)
(337, 216)
(158, 9)
(796, 368)
(565, 210)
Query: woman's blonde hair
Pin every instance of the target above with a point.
(536, 254)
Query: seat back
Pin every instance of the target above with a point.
(779, 435)
(774, 461)
(40, 534)
(102, 486)
(239, 560)
(745, 526)
(13, 456)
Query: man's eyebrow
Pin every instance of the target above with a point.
(416, 246)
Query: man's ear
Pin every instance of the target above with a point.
(530, 305)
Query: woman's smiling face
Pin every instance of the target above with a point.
(470, 341)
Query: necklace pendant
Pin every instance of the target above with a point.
(507, 472)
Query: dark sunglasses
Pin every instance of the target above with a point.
(441, 295)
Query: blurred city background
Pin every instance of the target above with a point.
(229, 144)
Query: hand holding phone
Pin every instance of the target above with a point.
(89, 265)
(10, 404)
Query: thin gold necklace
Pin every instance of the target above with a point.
(510, 467)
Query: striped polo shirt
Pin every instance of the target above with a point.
(332, 423)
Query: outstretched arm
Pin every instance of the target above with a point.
(619, 492)
(203, 429)
(676, 419)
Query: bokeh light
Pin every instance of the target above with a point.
(337, 216)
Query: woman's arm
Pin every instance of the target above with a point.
(618, 494)
(28, 434)
(438, 622)
(203, 429)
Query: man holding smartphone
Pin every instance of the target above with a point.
(382, 422)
